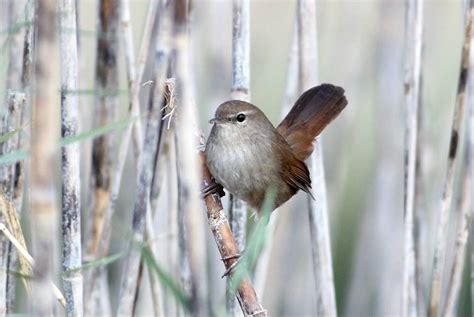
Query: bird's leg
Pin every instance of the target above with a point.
(232, 267)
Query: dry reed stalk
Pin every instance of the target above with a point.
(240, 90)
(163, 41)
(470, 149)
(19, 169)
(318, 209)
(413, 49)
(186, 127)
(103, 147)
(10, 121)
(27, 69)
(420, 221)
(20, 247)
(155, 289)
(163, 49)
(442, 229)
(171, 307)
(183, 254)
(262, 268)
(464, 207)
(44, 140)
(134, 71)
(70, 164)
(227, 246)
(145, 176)
(471, 173)
(15, 43)
(13, 83)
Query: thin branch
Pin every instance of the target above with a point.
(161, 60)
(228, 247)
(318, 209)
(163, 41)
(70, 164)
(45, 137)
(134, 75)
(442, 229)
(414, 43)
(154, 282)
(464, 206)
(145, 177)
(134, 71)
(240, 90)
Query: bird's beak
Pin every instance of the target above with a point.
(216, 120)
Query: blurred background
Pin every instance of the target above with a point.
(361, 48)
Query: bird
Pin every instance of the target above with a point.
(247, 155)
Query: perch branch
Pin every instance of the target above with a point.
(227, 245)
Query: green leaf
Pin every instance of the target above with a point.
(165, 279)
(14, 157)
(255, 243)
(103, 261)
(94, 133)
(10, 134)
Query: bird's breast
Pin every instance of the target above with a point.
(243, 165)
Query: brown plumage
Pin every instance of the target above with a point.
(247, 155)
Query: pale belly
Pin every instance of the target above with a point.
(246, 171)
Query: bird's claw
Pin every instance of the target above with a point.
(213, 188)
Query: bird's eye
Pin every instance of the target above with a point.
(241, 117)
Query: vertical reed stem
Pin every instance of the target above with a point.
(71, 208)
(189, 169)
(145, 176)
(103, 148)
(413, 48)
(240, 90)
(44, 141)
(462, 234)
(442, 229)
(318, 209)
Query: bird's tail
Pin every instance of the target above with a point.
(311, 113)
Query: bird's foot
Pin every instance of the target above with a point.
(213, 188)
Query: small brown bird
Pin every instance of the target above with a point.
(247, 155)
